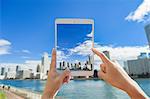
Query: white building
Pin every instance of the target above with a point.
(11, 75)
(26, 74)
(139, 66)
(45, 64)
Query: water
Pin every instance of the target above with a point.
(80, 89)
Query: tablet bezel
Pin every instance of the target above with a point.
(74, 21)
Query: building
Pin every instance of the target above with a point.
(38, 72)
(143, 55)
(78, 68)
(77, 65)
(106, 53)
(11, 75)
(17, 72)
(24, 74)
(126, 66)
(18, 68)
(147, 30)
(90, 62)
(38, 69)
(45, 64)
(2, 71)
(139, 66)
(27, 74)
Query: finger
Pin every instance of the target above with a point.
(101, 74)
(101, 55)
(64, 75)
(53, 60)
(103, 68)
(116, 62)
(67, 79)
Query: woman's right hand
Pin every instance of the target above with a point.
(115, 75)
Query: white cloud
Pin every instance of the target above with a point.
(26, 51)
(61, 55)
(90, 34)
(116, 52)
(123, 53)
(4, 46)
(25, 57)
(82, 49)
(119, 53)
(4, 42)
(141, 13)
(33, 62)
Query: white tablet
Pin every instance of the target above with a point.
(74, 39)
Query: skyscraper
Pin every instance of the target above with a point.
(38, 69)
(107, 54)
(2, 70)
(89, 62)
(17, 68)
(147, 30)
(44, 66)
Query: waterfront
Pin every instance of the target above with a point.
(79, 89)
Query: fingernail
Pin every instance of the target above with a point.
(53, 49)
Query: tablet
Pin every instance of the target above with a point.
(74, 39)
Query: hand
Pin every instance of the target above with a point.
(55, 80)
(115, 75)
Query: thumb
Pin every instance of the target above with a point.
(101, 74)
(64, 74)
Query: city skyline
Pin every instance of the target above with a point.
(22, 27)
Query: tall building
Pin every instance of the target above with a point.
(45, 64)
(17, 68)
(147, 30)
(106, 53)
(17, 72)
(90, 62)
(2, 70)
(38, 69)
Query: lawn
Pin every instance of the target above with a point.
(2, 95)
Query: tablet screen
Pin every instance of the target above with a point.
(74, 43)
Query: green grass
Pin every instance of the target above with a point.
(2, 95)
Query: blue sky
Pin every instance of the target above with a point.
(71, 36)
(29, 24)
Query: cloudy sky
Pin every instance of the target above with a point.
(27, 27)
(71, 40)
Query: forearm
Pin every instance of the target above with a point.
(47, 95)
(134, 91)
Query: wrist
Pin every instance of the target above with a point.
(135, 92)
(48, 95)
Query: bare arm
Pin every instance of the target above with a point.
(114, 74)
